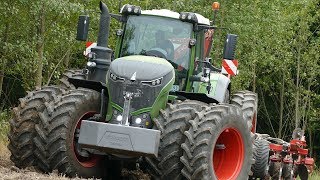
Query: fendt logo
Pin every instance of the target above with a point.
(133, 77)
(117, 141)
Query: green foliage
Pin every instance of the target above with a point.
(4, 125)
(315, 175)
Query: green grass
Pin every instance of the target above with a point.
(315, 175)
(4, 125)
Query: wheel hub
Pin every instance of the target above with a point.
(228, 154)
(85, 158)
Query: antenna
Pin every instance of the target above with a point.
(85, 5)
(175, 5)
(120, 5)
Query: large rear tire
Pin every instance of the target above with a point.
(71, 73)
(261, 156)
(22, 126)
(172, 122)
(218, 145)
(59, 130)
(247, 101)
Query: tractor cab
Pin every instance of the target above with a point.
(165, 34)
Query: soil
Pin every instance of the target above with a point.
(9, 172)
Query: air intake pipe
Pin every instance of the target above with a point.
(101, 60)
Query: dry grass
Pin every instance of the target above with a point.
(9, 172)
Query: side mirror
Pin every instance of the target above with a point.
(83, 28)
(230, 47)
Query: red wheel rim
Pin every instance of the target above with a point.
(93, 159)
(228, 154)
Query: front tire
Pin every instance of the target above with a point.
(26, 140)
(71, 73)
(172, 122)
(22, 126)
(63, 120)
(218, 145)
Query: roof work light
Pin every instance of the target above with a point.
(188, 17)
(128, 9)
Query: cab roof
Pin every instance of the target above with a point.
(175, 15)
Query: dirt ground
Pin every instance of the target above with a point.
(9, 172)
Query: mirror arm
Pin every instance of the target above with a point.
(209, 65)
(196, 78)
(212, 68)
(202, 27)
(118, 17)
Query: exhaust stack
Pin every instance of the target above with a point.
(104, 25)
(102, 54)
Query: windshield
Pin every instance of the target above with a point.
(163, 37)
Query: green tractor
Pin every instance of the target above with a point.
(156, 104)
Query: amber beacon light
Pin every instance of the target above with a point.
(215, 6)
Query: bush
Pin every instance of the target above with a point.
(4, 124)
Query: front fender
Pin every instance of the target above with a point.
(219, 86)
(89, 84)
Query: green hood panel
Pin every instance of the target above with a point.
(144, 67)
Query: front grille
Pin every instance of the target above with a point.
(143, 95)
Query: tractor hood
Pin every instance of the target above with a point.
(144, 67)
(148, 79)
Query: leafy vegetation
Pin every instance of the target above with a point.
(4, 125)
(278, 51)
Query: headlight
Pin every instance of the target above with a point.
(155, 82)
(119, 118)
(138, 120)
(142, 120)
(116, 117)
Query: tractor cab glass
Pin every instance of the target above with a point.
(158, 36)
